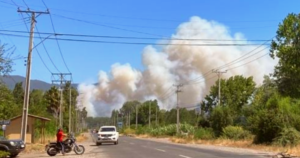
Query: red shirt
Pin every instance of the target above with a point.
(59, 136)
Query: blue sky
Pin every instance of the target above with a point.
(256, 19)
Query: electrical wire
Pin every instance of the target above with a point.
(47, 51)
(135, 43)
(25, 4)
(52, 24)
(131, 37)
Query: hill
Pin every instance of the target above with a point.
(11, 80)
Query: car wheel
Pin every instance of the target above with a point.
(117, 142)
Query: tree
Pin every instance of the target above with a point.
(286, 48)
(8, 107)
(236, 92)
(5, 60)
(52, 102)
(37, 103)
(18, 94)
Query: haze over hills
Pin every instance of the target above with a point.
(11, 80)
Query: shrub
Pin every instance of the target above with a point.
(129, 131)
(235, 133)
(140, 130)
(288, 137)
(4, 154)
(170, 130)
(204, 133)
(220, 118)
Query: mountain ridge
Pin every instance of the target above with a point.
(11, 80)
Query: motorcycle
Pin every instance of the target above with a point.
(69, 144)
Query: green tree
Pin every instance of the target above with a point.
(5, 60)
(8, 108)
(37, 103)
(236, 92)
(52, 98)
(18, 94)
(286, 48)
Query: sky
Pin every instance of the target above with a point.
(255, 19)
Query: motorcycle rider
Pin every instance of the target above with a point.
(59, 137)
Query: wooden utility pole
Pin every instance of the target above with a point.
(28, 72)
(136, 116)
(219, 78)
(177, 92)
(149, 114)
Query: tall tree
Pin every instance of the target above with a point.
(52, 98)
(286, 48)
(235, 93)
(5, 59)
(7, 104)
(18, 93)
(37, 103)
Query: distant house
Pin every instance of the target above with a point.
(14, 129)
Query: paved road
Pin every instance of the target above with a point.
(139, 148)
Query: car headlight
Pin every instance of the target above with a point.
(12, 143)
(113, 134)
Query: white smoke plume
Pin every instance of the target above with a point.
(174, 64)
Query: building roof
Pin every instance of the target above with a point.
(34, 116)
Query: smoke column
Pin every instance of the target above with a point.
(175, 64)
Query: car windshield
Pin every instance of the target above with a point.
(107, 129)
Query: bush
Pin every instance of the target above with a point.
(129, 131)
(288, 137)
(220, 118)
(170, 130)
(235, 133)
(204, 133)
(4, 154)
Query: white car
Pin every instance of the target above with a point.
(107, 134)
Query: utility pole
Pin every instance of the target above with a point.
(63, 78)
(156, 115)
(177, 92)
(28, 72)
(129, 119)
(136, 116)
(150, 114)
(70, 108)
(219, 78)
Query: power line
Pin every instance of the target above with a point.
(59, 45)
(107, 26)
(14, 3)
(25, 4)
(135, 43)
(132, 37)
(47, 51)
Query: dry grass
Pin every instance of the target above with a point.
(295, 151)
(34, 148)
(81, 138)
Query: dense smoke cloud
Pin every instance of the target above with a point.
(174, 64)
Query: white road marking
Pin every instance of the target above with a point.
(160, 150)
(144, 146)
(131, 143)
(184, 156)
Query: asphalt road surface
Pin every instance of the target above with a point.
(139, 148)
(129, 147)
